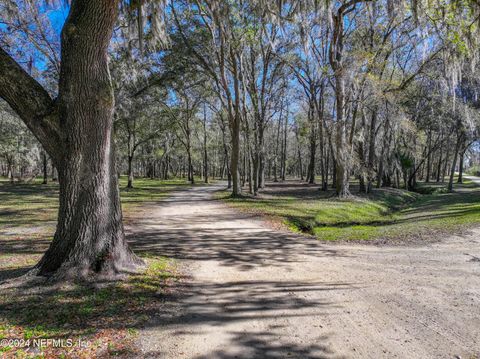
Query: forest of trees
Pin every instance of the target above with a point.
(328, 92)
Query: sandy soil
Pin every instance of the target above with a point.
(254, 292)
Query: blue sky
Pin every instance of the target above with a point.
(58, 17)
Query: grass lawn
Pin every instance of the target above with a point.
(106, 318)
(28, 214)
(390, 214)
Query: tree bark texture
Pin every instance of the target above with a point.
(45, 168)
(336, 61)
(76, 130)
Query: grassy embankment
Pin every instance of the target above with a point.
(473, 171)
(106, 318)
(391, 214)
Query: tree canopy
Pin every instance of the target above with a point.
(384, 92)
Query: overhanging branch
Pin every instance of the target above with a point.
(31, 103)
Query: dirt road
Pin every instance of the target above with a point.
(253, 292)
(473, 179)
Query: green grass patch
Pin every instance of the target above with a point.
(474, 170)
(28, 214)
(384, 214)
(33, 205)
(147, 190)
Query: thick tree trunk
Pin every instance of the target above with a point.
(327, 168)
(205, 150)
(54, 173)
(311, 163)
(439, 166)
(166, 167)
(342, 151)
(275, 178)
(244, 163)
(460, 167)
(313, 144)
(446, 161)
(323, 170)
(452, 168)
(299, 156)
(380, 172)
(250, 175)
(256, 172)
(261, 170)
(151, 169)
(342, 184)
(371, 151)
(45, 168)
(300, 164)
(334, 173)
(412, 179)
(89, 237)
(190, 175)
(235, 158)
(227, 157)
(235, 120)
(429, 157)
(381, 159)
(229, 179)
(334, 162)
(361, 176)
(227, 167)
(130, 171)
(248, 152)
(10, 172)
(276, 155)
(284, 148)
(77, 131)
(256, 157)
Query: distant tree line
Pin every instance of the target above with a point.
(381, 92)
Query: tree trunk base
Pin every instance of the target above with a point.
(88, 262)
(344, 194)
(237, 195)
(113, 267)
(33, 278)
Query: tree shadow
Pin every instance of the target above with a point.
(24, 246)
(9, 273)
(264, 345)
(203, 305)
(100, 312)
(149, 301)
(216, 232)
(244, 248)
(235, 301)
(152, 301)
(17, 256)
(296, 189)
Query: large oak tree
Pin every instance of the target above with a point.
(76, 131)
